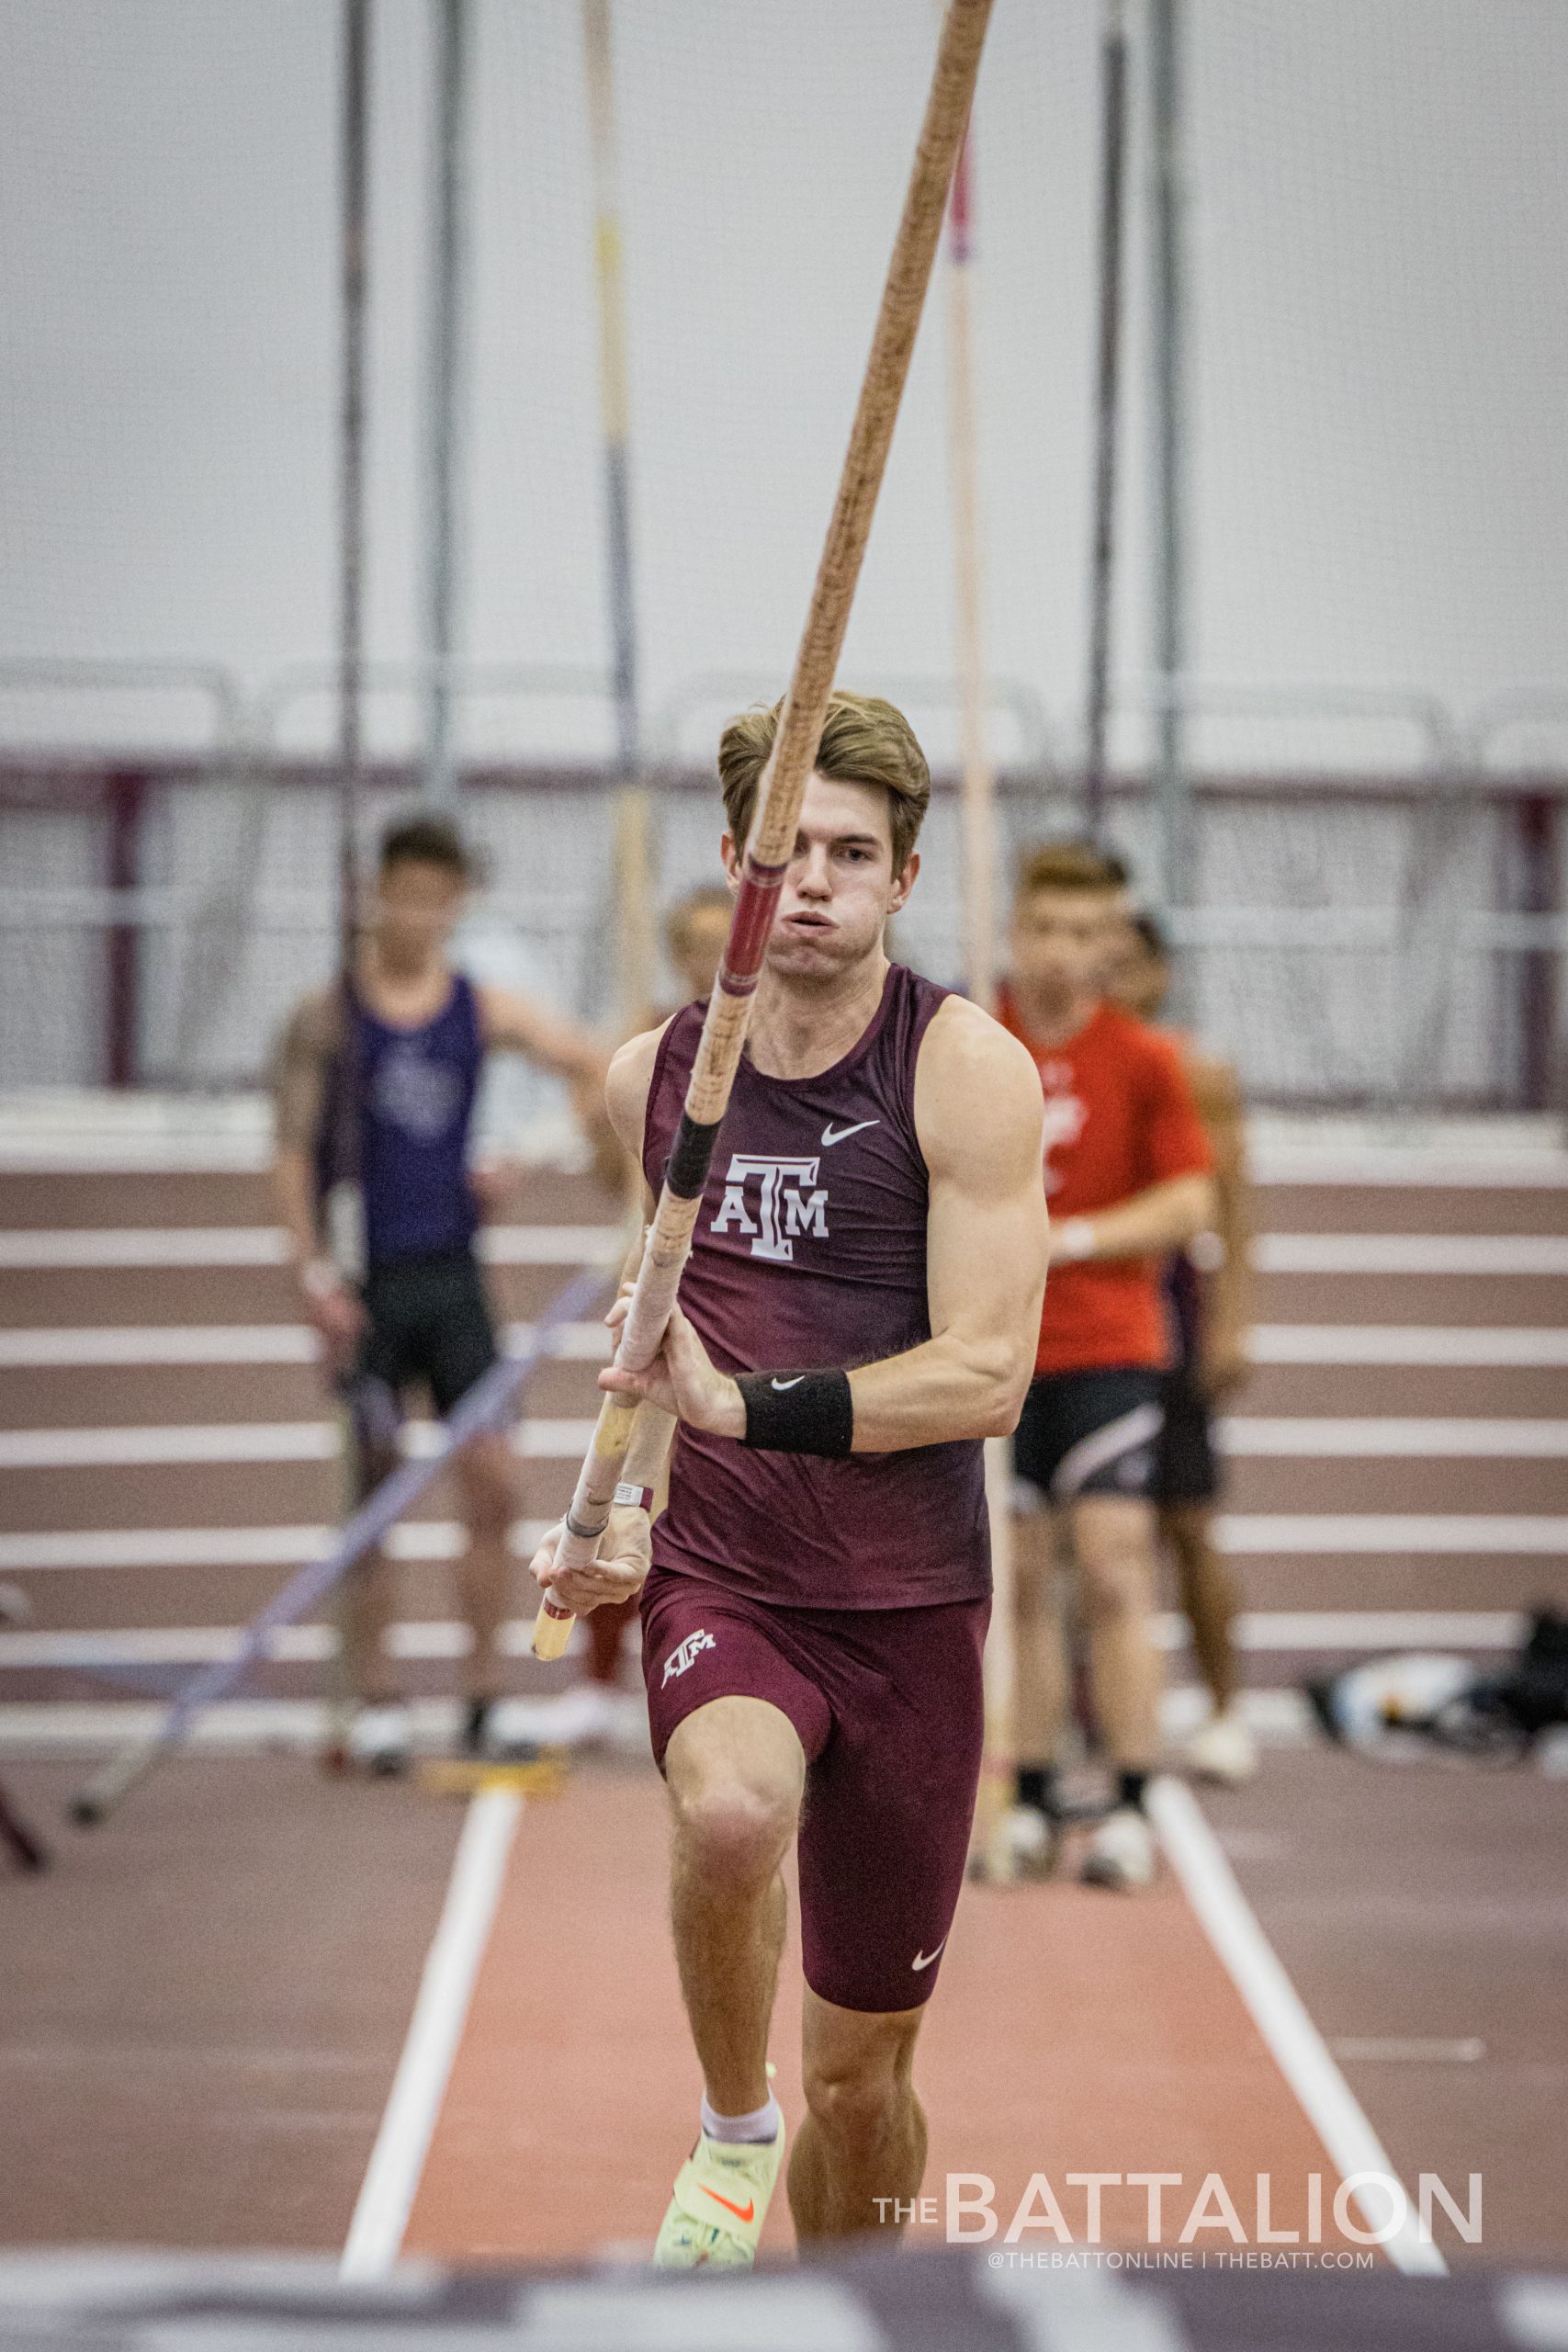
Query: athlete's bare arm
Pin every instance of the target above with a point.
(1227, 1285)
(1147, 1225)
(978, 1116)
(514, 1024)
(299, 1067)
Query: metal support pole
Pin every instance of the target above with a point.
(1172, 786)
(636, 954)
(342, 1208)
(447, 269)
(1108, 375)
(125, 806)
(354, 263)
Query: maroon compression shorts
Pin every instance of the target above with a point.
(888, 1706)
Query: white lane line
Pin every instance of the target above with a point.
(1280, 2013)
(229, 1441)
(66, 1349)
(1388, 1531)
(53, 1249)
(1409, 1343)
(234, 1547)
(1410, 1254)
(1428, 1438)
(386, 2198)
(1265, 1631)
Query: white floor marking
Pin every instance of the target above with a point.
(1434, 1437)
(1410, 1254)
(232, 1548)
(74, 1349)
(1262, 1535)
(145, 1343)
(1277, 2008)
(1410, 1343)
(1358, 1629)
(228, 1441)
(1298, 1436)
(1536, 1535)
(1513, 1168)
(386, 2198)
(55, 1249)
(34, 1649)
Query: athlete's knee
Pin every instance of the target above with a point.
(1120, 1587)
(731, 1828)
(856, 2096)
(490, 1486)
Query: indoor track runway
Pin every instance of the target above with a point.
(216, 2035)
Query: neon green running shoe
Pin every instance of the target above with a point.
(722, 2194)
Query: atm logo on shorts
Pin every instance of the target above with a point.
(787, 1200)
(686, 1653)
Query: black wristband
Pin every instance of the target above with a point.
(800, 1412)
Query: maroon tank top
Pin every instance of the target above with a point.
(810, 1250)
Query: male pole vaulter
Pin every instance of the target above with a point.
(859, 1312)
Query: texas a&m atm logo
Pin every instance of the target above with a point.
(771, 1201)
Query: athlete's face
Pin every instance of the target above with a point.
(840, 888)
(417, 906)
(1058, 944)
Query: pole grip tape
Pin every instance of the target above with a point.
(690, 1155)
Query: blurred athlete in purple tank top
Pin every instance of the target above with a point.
(416, 1034)
(858, 1314)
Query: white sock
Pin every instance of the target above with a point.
(764, 2124)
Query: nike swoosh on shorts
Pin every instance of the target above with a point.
(924, 1959)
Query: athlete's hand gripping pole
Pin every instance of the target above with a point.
(771, 838)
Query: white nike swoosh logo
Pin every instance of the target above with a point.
(924, 1959)
(832, 1135)
(787, 1384)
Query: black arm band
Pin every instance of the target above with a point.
(801, 1412)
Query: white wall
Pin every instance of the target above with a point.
(1380, 213)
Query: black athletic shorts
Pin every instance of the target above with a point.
(429, 1322)
(1088, 1433)
(1185, 1468)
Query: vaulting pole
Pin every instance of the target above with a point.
(771, 838)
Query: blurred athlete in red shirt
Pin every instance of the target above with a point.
(1128, 1180)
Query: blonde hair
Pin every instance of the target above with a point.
(708, 898)
(1067, 866)
(864, 740)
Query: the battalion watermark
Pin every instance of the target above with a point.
(1166, 2220)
